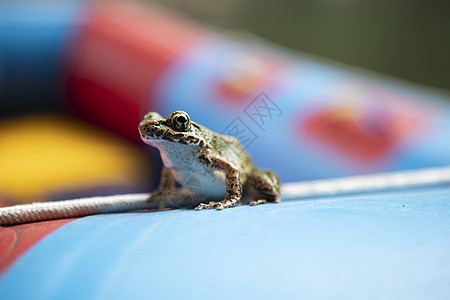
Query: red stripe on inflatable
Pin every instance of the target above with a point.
(15, 240)
(123, 48)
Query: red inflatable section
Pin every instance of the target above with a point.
(122, 49)
(15, 240)
(3, 203)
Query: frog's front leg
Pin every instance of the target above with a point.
(165, 188)
(232, 181)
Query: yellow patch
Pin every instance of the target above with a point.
(41, 156)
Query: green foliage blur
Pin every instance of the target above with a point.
(408, 39)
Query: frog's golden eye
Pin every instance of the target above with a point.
(180, 120)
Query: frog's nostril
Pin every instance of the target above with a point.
(142, 127)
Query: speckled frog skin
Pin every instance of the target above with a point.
(218, 164)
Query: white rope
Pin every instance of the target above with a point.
(367, 183)
(309, 189)
(72, 208)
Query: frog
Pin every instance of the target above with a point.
(191, 152)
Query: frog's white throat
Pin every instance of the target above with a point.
(189, 171)
(177, 155)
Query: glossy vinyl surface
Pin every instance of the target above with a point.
(380, 246)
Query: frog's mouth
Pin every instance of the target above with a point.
(151, 131)
(147, 140)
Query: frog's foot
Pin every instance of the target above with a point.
(263, 187)
(169, 196)
(256, 202)
(174, 198)
(160, 196)
(262, 201)
(219, 205)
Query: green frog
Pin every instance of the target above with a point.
(218, 164)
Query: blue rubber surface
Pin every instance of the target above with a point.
(384, 246)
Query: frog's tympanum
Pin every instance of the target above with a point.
(191, 152)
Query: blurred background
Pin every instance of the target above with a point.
(405, 39)
(292, 79)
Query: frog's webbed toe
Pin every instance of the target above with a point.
(262, 201)
(159, 196)
(256, 202)
(210, 205)
(174, 198)
(219, 205)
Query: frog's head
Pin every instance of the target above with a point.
(177, 128)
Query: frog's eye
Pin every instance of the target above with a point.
(180, 120)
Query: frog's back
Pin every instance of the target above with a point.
(230, 149)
